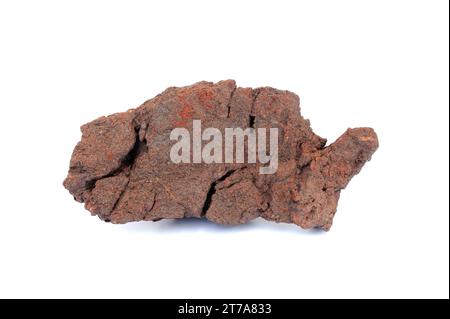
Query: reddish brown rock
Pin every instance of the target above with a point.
(122, 171)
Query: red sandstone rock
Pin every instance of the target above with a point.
(122, 171)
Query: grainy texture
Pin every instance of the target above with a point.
(122, 171)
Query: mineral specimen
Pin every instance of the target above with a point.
(123, 171)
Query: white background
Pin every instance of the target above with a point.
(382, 64)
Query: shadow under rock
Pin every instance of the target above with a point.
(202, 224)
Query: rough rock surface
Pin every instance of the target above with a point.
(122, 171)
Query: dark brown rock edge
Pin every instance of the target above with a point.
(122, 171)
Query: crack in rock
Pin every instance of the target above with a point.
(212, 191)
(138, 148)
(229, 101)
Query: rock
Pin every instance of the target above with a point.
(122, 170)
